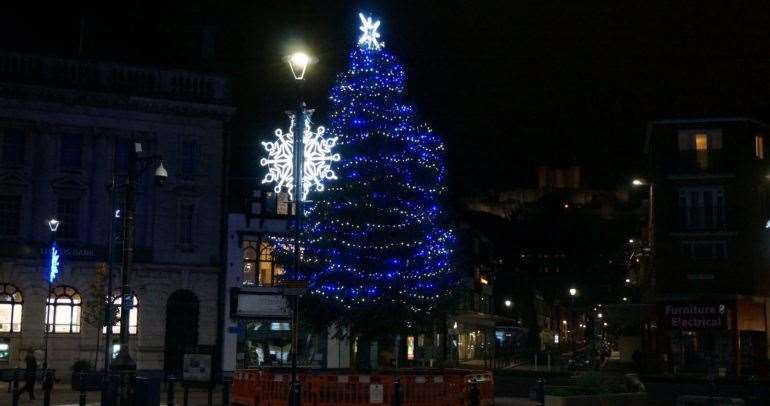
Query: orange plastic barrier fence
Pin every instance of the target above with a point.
(455, 387)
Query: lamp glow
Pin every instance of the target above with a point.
(508, 303)
(298, 63)
(572, 291)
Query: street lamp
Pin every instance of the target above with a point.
(53, 271)
(508, 303)
(137, 164)
(298, 62)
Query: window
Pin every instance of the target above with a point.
(284, 205)
(701, 208)
(10, 216)
(71, 151)
(701, 143)
(69, 215)
(62, 313)
(759, 146)
(704, 249)
(133, 315)
(13, 148)
(10, 308)
(259, 265)
(122, 149)
(186, 217)
(189, 164)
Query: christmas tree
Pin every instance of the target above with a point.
(377, 249)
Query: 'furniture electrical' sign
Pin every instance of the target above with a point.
(695, 316)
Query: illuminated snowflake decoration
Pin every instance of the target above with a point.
(317, 159)
(370, 34)
(54, 270)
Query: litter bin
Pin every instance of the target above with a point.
(147, 391)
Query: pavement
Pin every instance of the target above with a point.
(63, 395)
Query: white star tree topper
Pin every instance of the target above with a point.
(317, 159)
(370, 34)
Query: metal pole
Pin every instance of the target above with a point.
(123, 361)
(108, 309)
(298, 152)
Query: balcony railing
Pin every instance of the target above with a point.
(173, 84)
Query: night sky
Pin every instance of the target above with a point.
(509, 85)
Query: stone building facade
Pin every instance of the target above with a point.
(65, 130)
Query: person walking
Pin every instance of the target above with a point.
(30, 375)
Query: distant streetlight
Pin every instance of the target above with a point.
(564, 322)
(628, 280)
(508, 303)
(625, 299)
(605, 324)
(631, 241)
(638, 182)
(600, 315)
(573, 292)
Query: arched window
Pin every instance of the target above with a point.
(259, 265)
(62, 313)
(10, 308)
(133, 315)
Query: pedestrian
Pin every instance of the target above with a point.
(30, 375)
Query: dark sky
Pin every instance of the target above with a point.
(509, 84)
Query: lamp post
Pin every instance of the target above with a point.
(53, 271)
(572, 293)
(136, 166)
(298, 62)
(639, 182)
(114, 215)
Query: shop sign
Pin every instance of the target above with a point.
(262, 305)
(695, 316)
(197, 368)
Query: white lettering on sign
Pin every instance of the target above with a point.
(376, 393)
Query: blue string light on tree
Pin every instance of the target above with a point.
(379, 234)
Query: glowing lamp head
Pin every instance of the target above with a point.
(573, 292)
(298, 62)
(53, 225)
(508, 303)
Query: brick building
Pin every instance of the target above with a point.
(709, 277)
(65, 129)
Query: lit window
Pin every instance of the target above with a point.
(259, 264)
(133, 315)
(10, 308)
(759, 146)
(701, 142)
(62, 313)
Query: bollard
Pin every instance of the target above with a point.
(225, 391)
(82, 399)
(540, 392)
(186, 395)
(15, 395)
(170, 391)
(211, 394)
(396, 392)
(474, 395)
(47, 387)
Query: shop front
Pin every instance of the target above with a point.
(719, 338)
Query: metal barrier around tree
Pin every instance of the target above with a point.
(270, 387)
